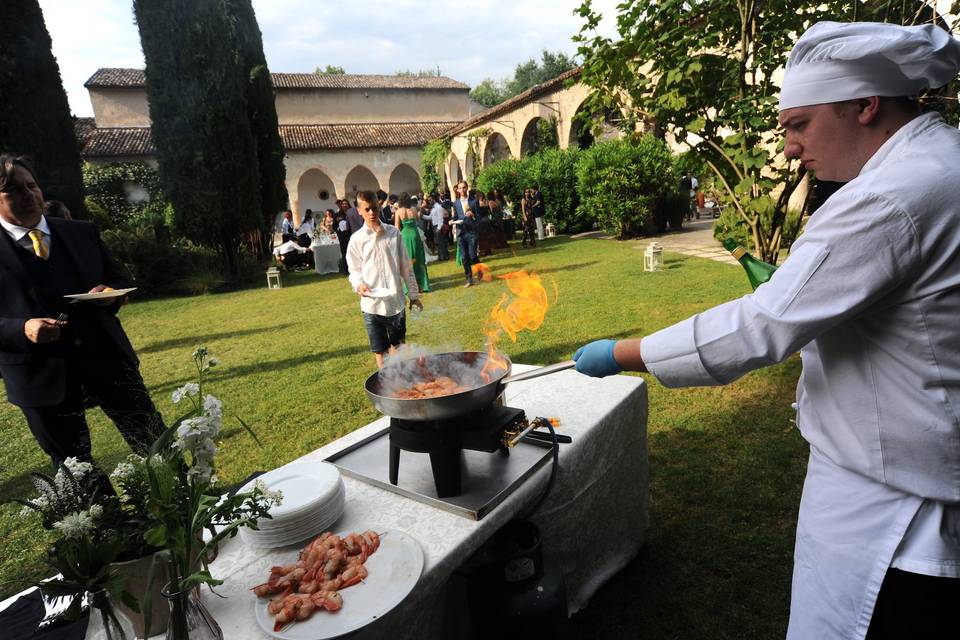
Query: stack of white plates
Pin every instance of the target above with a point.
(313, 499)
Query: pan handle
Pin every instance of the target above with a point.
(542, 371)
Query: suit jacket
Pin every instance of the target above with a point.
(32, 377)
(458, 208)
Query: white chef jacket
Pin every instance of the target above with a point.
(871, 296)
(379, 260)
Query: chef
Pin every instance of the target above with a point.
(870, 295)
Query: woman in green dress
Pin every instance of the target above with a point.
(406, 220)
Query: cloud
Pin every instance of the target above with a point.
(469, 40)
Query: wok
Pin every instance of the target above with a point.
(462, 366)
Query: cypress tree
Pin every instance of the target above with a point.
(35, 118)
(262, 112)
(205, 147)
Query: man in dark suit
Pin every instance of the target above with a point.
(47, 365)
(465, 211)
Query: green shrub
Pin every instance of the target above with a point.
(620, 181)
(106, 188)
(555, 171)
(98, 215)
(507, 175)
(161, 268)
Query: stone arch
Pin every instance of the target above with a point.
(315, 191)
(496, 148)
(404, 178)
(470, 168)
(360, 178)
(454, 170)
(528, 141)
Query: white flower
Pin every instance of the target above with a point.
(212, 406)
(96, 511)
(190, 389)
(274, 497)
(77, 468)
(200, 472)
(123, 471)
(75, 525)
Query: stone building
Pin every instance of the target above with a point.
(342, 133)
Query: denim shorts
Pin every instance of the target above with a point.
(385, 332)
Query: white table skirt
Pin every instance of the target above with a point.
(592, 525)
(326, 258)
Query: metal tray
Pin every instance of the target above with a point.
(488, 478)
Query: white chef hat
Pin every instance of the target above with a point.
(836, 61)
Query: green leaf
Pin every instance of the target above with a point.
(156, 536)
(696, 125)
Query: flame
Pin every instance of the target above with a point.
(482, 272)
(525, 311)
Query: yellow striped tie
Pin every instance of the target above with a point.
(38, 247)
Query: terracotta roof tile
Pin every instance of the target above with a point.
(134, 78)
(138, 141)
(302, 137)
(516, 101)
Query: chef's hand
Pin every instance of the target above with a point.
(596, 359)
(950, 524)
(41, 330)
(416, 303)
(363, 290)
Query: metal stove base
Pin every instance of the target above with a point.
(487, 478)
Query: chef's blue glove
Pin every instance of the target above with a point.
(596, 359)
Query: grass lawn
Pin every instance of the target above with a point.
(726, 466)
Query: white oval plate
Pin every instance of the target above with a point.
(393, 573)
(102, 295)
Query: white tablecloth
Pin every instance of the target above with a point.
(592, 525)
(326, 258)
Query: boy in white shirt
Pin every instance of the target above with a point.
(379, 266)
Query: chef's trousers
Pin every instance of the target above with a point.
(911, 605)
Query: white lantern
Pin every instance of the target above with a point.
(653, 257)
(273, 278)
(551, 230)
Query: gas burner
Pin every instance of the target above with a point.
(444, 440)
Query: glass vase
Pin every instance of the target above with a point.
(106, 621)
(189, 617)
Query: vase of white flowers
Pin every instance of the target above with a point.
(74, 503)
(184, 501)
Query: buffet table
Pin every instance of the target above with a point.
(592, 524)
(326, 258)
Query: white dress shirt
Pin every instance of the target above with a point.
(21, 236)
(870, 295)
(436, 215)
(379, 260)
(306, 228)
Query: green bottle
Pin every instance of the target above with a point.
(758, 271)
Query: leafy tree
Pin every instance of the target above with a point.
(527, 74)
(488, 93)
(547, 134)
(531, 73)
(708, 70)
(621, 181)
(554, 170)
(507, 175)
(329, 70)
(196, 89)
(422, 73)
(34, 114)
(262, 113)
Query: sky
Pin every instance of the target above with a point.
(469, 39)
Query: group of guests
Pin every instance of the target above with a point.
(472, 223)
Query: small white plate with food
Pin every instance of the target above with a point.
(389, 569)
(106, 294)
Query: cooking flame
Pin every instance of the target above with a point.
(524, 312)
(482, 272)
